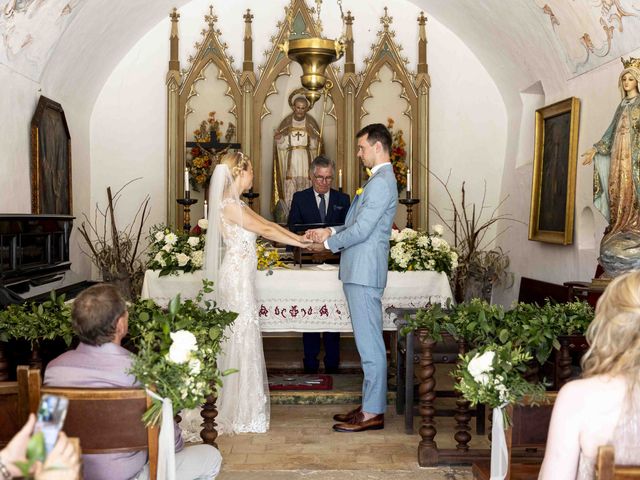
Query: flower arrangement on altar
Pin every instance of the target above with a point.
(416, 250)
(177, 349)
(172, 252)
(398, 156)
(201, 162)
(268, 257)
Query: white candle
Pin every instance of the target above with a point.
(206, 210)
(186, 179)
(409, 180)
(340, 178)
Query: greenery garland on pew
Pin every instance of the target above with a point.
(534, 328)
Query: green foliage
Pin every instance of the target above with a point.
(35, 453)
(37, 321)
(188, 383)
(535, 329)
(493, 375)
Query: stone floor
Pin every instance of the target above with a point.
(301, 445)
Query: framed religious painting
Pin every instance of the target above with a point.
(50, 159)
(553, 188)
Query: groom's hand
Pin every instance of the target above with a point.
(318, 235)
(315, 247)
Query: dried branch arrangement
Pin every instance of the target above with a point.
(117, 253)
(470, 226)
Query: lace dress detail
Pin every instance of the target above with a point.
(625, 440)
(243, 400)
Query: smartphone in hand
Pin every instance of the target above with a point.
(51, 415)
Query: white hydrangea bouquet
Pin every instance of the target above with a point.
(416, 250)
(494, 375)
(172, 252)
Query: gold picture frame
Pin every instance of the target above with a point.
(50, 160)
(553, 188)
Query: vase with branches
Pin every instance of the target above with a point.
(117, 253)
(479, 267)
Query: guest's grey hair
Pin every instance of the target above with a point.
(322, 162)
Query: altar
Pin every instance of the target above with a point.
(309, 299)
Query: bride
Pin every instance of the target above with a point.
(230, 261)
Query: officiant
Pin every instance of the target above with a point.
(319, 205)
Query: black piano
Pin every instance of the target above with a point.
(34, 258)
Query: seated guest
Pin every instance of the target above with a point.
(319, 204)
(62, 463)
(603, 407)
(100, 320)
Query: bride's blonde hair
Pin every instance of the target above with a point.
(614, 334)
(236, 161)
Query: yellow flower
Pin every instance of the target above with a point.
(359, 191)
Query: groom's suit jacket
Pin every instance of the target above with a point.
(364, 237)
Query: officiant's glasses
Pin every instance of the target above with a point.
(320, 178)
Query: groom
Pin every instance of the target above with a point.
(363, 241)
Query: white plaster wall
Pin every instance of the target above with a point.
(599, 97)
(468, 125)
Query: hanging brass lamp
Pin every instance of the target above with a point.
(314, 54)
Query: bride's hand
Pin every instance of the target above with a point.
(304, 240)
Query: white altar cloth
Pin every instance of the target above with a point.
(309, 299)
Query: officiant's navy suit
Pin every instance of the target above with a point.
(305, 210)
(364, 245)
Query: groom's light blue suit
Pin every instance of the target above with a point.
(364, 243)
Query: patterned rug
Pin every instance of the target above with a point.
(300, 382)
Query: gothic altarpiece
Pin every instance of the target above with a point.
(255, 104)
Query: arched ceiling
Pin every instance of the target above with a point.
(71, 46)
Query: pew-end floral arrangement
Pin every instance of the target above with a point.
(177, 349)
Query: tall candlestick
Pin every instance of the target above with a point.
(186, 179)
(206, 209)
(408, 180)
(340, 178)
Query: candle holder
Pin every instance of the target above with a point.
(186, 204)
(409, 202)
(250, 196)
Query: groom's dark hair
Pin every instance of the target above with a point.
(377, 132)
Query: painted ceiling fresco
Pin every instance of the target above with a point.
(590, 33)
(30, 30)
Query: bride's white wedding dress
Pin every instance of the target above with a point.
(243, 400)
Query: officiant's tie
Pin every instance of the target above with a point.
(322, 207)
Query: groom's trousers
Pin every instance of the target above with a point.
(365, 308)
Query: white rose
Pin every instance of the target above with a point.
(194, 366)
(394, 234)
(182, 259)
(160, 259)
(438, 229)
(183, 343)
(193, 241)
(482, 378)
(159, 236)
(481, 364)
(197, 258)
(167, 248)
(170, 239)
(203, 223)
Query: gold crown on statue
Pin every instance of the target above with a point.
(632, 62)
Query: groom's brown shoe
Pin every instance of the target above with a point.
(346, 417)
(359, 424)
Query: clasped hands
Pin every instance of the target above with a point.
(314, 239)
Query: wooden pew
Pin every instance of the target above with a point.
(106, 420)
(526, 439)
(14, 407)
(606, 468)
